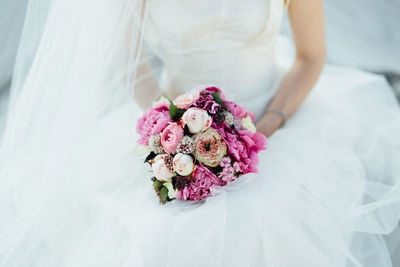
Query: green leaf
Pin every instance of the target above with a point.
(151, 156)
(163, 194)
(217, 98)
(174, 112)
(157, 185)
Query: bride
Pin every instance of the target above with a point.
(73, 191)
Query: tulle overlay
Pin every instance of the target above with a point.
(327, 190)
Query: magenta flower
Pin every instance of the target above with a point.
(236, 110)
(207, 103)
(152, 122)
(243, 146)
(200, 187)
(206, 100)
(213, 90)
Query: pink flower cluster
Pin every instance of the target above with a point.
(199, 142)
(152, 122)
(229, 171)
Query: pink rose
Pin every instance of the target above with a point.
(185, 100)
(162, 167)
(171, 136)
(196, 119)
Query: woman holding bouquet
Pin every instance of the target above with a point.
(74, 192)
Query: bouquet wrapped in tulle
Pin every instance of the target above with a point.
(197, 143)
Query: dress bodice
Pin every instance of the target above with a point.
(230, 44)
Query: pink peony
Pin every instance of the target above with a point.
(185, 100)
(152, 122)
(171, 136)
(243, 146)
(203, 180)
(238, 111)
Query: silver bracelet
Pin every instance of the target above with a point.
(280, 113)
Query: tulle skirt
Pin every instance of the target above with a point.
(327, 190)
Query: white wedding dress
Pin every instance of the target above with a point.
(75, 193)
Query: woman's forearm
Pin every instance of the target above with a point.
(294, 88)
(296, 85)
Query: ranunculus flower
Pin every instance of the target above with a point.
(196, 119)
(209, 147)
(248, 124)
(200, 187)
(152, 122)
(183, 164)
(162, 167)
(185, 100)
(171, 136)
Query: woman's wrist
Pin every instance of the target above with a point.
(279, 115)
(269, 123)
(274, 119)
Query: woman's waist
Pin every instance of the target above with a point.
(248, 81)
(228, 66)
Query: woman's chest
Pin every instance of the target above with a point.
(207, 19)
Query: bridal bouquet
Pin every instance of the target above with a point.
(197, 143)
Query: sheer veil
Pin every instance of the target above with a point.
(77, 68)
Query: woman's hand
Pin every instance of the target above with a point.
(269, 123)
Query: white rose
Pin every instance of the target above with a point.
(185, 100)
(160, 169)
(171, 191)
(196, 119)
(183, 164)
(248, 124)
